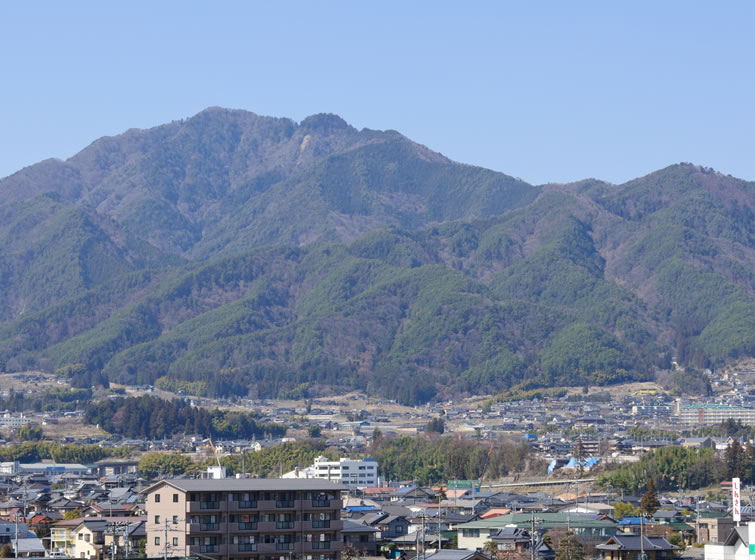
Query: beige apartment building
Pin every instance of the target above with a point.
(245, 519)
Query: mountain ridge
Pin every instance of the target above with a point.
(247, 254)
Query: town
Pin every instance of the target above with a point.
(346, 506)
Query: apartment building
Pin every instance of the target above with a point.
(354, 473)
(245, 519)
(708, 413)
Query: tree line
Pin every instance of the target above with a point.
(433, 459)
(33, 451)
(154, 418)
(679, 468)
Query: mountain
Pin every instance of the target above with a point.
(237, 254)
(224, 181)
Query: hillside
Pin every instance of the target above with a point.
(237, 254)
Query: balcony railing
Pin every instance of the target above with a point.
(247, 547)
(209, 526)
(208, 548)
(321, 545)
(248, 504)
(320, 503)
(247, 526)
(284, 504)
(284, 525)
(318, 524)
(209, 505)
(284, 546)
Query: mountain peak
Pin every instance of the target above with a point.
(325, 122)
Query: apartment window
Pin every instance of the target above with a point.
(157, 541)
(175, 520)
(157, 498)
(81, 536)
(157, 519)
(175, 498)
(175, 541)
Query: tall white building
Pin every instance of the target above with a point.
(354, 473)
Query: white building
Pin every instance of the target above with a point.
(709, 413)
(355, 473)
(735, 547)
(7, 420)
(9, 468)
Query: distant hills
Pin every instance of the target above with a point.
(236, 254)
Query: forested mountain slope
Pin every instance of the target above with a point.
(237, 254)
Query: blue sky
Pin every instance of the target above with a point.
(546, 91)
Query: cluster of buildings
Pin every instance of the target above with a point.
(109, 511)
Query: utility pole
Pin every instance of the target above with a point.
(642, 539)
(16, 518)
(440, 535)
(697, 515)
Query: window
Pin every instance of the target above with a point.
(175, 541)
(175, 520)
(81, 536)
(175, 498)
(157, 541)
(157, 498)
(86, 537)
(157, 519)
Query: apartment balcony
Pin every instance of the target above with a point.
(321, 525)
(278, 526)
(207, 528)
(266, 548)
(212, 549)
(198, 507)
(319, 547)
(323, 504)
(242, 506)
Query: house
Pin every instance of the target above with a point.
(514, 541)
(595, 508)
(415, 494)
(629, 547)
(62, 539)
(390, 526)
(361, 537)
(475, 534)
(735, 547)
(699, 443)
(715, 529)
(457, 554)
